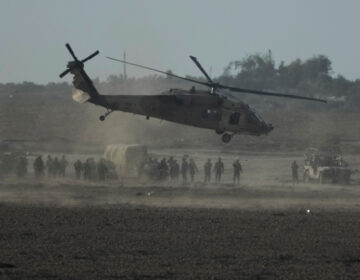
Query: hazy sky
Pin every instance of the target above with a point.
(164, 33)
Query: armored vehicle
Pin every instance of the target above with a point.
(325, 167)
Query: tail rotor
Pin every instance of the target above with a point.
(76, 63)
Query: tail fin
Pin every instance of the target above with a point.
(84, 88)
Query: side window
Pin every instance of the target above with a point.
(234, 118)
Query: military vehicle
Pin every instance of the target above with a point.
(217, 108)
(326, 167)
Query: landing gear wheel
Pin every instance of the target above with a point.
(226, 138)
(103, 117)
(219, 131)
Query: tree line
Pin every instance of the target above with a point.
(313, 77)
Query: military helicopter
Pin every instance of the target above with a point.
(214, 109)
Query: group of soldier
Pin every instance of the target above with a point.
(165, 169)
(219, 170)
(171, 169)
(52, 167)
(91, 170)
(55, 167)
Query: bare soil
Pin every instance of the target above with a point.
(137, 242)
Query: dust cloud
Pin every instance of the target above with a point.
(49, 122)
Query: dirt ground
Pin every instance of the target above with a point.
(264, 228)
(124, 242)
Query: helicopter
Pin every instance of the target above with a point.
(214, 109)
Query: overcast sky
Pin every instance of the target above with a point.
(163, 33)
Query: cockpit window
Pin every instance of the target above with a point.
(254, 117)
(258, 116)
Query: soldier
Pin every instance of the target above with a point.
(184, 170)
(63, 165)
(171, 161)
(86, 167)
(219, 169)
(163, 169)
(193, 169)
(102, 170)
(176, 170)
(110, 170)
(56, 167)
(49, 166)
(207, 170)
(39, 167)
(92, 165)
(78, 167)
(294, 169)
(237, 171)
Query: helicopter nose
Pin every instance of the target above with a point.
(267, 128)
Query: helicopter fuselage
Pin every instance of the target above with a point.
(199, 109)
(206, 109)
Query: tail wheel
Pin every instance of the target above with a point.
(226, 138)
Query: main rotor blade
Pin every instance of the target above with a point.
(260, 92)
(64, 73)
(194, 59)
(71, 51)
(229, 95)
(159, 71)
(90, 56)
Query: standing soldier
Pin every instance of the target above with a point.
(63, 165)
(294, 169)
(39, 167)
(237, 171)
(207, 169)
(176, 170)
(193, 169)
(56, 167)
(219, 169)
(92, 173)
(171, 163)
(102, 169)
(184, 170)
(49, 166)
(86, 167)
(78, 167)
(163, 169)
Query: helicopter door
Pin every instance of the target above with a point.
(234, 118)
